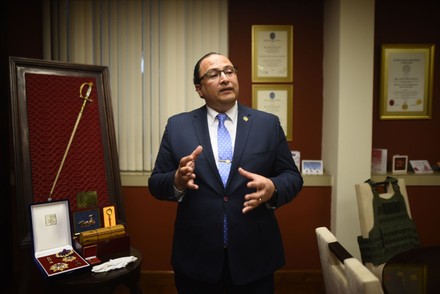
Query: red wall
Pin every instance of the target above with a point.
(411, 23)
(407, 23)
(424, 203)
(306, 17)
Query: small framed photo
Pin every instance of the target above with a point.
(109, 216)
(421, 167)
(85, 220)
(379, 161)
(400, 164)
(312, 167)
(296, 155)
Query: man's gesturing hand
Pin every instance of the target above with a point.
(184, 176)
(264, 190)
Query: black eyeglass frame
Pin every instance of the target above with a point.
(219, 72)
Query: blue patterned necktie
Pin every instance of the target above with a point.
(224, 148)
(225, 159)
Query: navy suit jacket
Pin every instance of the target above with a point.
(255, 246)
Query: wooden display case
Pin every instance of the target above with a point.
(47, 98)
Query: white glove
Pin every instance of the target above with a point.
(113, 264)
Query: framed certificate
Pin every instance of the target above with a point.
(272, 53)
(278, 100)
(406, 81)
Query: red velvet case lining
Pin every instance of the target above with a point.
(53, 106)
(47, 261)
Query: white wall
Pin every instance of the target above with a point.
(348, 100)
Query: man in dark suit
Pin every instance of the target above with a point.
(226, 237)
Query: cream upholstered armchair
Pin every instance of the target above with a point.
(341, 271)
(393, 223)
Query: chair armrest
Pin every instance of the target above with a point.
(339, 251)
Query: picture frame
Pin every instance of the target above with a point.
(406, 81)
(278, 100)
(421, 166)
(109, 216)
(272, 53)
(379, 158)
(296, 155)
(312, 167)
(45, 102)
(400, 164)
(85, 220)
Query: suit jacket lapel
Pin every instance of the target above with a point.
(244, 123)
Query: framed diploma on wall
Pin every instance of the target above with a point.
(272, 53)
(278, 100)
(406, 81)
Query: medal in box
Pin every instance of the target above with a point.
(52, 239)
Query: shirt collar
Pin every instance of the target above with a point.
(231, 113)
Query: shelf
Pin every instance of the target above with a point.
(140, 179)
(317, 180)
(412, 179)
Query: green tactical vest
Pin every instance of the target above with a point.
(393, 231)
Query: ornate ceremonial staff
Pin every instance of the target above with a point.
(86, 99)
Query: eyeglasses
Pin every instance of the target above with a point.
(213, 74)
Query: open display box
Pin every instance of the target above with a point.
(53, 248)
(46, 99)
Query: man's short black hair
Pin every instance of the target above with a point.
(196, 77)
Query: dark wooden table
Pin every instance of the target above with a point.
(106, 282)
(413, 271)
